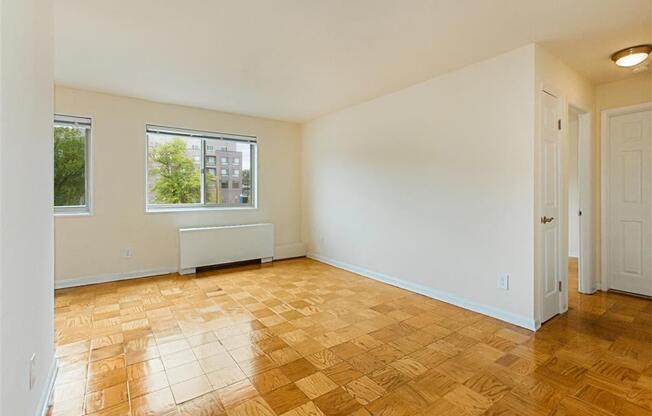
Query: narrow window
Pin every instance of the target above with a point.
(72, 139)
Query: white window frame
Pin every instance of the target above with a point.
(203, 136)
(87, 122)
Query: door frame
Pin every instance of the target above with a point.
(605, 125)
(585, 189)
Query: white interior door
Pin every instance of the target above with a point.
(550, 198)
(630, 210)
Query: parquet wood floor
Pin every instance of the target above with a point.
(300, 338)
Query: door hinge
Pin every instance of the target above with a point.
(559, 124)
(560, 285)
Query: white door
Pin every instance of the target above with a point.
(630, 210)
(550, 197)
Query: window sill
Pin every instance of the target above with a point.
(73, 214)
(197, 209)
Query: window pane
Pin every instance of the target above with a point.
(173, 165)
(235, 160)
(69, 166)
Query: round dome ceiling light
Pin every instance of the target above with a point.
(633, 56)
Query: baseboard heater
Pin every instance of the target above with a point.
(211, 246)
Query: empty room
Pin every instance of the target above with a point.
(325, 207)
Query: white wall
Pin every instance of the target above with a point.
(433, 185)
(26, 225)
(573, 186)
(90, 247)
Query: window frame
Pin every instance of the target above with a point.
(204, 136)
(61, 119)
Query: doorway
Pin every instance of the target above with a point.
(574, 213)
(566, 244)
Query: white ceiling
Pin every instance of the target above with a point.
(298, 59)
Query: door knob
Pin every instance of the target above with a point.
(546, 220)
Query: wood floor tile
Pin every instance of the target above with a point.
(270, 380)
(106, 352)
(178, 358)
(337, 403)
(158, 403)
(308, 409)
(468, 400)
(189, 389)
(285, 398)
(237, 393)
(315, 385)
(300, 338)
(225, 376)
(298, 369)
(342, 373)
(284, 355)
(364, 390)
(254, 407)
(323, 359)
(184, 372)
(109, 397)
(101, 381)
(206, 405)
(148, 384)
(144, 368)
(389, 378)
(409, 367)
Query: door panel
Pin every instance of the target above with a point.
(551, 272)
(550, 205)
(630, 208)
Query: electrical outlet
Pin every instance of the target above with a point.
(503, 281)
(127, 253)
(32, 371)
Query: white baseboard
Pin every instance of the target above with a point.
(111, 277)
(518, 320)
(288, 251)
(45, 395)
(281, 251)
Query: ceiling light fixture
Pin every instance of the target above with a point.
(632, 56)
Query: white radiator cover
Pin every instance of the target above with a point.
(208, 246)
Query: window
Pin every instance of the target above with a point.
(181, 175)
(235, 185)
(72, 139)
(209, 148)
(236, 173)
(236, 160)
(224, 160)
